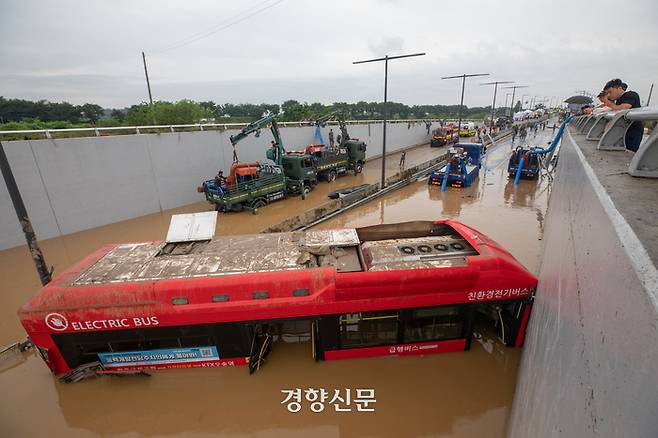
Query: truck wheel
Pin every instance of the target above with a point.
(258, 203)
(331, 176)
(358, 168)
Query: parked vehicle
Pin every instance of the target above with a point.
(443, 136)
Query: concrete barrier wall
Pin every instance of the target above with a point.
(74, 184)
(590, 361)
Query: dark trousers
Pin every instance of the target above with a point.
(634, 136)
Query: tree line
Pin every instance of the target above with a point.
(25, 114)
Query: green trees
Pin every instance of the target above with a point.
(24, 114)
(168, 113)
(15, 110)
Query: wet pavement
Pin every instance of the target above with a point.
(446, 395)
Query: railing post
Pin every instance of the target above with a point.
(598, 128)
(645, 160)
(613, 139)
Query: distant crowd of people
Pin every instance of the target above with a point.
(522, 130)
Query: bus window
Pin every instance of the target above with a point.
(433, 323)
(368, 329)
(79, 348)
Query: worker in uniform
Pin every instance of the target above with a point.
(275, 151)
(331, 138)
(220, 179)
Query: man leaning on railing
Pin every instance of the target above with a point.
(620, 99)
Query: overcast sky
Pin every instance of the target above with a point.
(90, 51)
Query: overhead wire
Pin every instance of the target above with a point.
(224, 24)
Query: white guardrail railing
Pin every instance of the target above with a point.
(609, 129)
(127, 130)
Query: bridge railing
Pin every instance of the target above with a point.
(131, 130)
(609, 129)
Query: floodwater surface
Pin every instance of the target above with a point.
(446, 395)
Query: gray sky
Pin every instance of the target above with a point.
(89, 51)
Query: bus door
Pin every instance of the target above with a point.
(261, 345)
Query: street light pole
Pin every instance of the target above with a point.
(514, 87)
(523, 101)
(507, 95)
(493, 105)
(461, 103)
(386, 59)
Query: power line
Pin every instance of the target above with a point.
(225, 24)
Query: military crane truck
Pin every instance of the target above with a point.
(253, 185)
(319, 161)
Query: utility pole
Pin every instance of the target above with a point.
(523, 101)
(649, 98)
(514, 87)
(148, 83)
(493, 105)
(23, 219)
(386, 59)
(461, 103)
(507, 95)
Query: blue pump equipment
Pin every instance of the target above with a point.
(463, 166)
(528, 154)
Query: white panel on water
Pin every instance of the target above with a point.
(192, 226)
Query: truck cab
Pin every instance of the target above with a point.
(443, 136)
(356, 149)
(300, 167)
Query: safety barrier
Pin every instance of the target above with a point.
(131, 130)
(609, 130)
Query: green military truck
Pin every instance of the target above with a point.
(254, 185)
(318, 162)
(250, 187)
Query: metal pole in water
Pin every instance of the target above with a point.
(23, 219)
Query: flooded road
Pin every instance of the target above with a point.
(446, 395)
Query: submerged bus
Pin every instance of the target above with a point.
(396, 289)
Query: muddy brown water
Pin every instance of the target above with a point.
(445, 395)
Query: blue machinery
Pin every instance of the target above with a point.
(462, 169)
(538, 151)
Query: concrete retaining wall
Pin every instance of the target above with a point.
(590, 361)
(74, 184)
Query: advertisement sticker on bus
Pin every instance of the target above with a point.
(158, 357)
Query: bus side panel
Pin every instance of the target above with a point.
(48, 350)
(449, 346)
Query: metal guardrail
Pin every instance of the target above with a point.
(130, 130)
(609, 129)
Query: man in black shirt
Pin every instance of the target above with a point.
(620, 99)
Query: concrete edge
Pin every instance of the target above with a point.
(638, 255)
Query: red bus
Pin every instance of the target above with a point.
(396, 289)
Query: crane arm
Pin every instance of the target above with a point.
(266, 121)
(340, 118)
